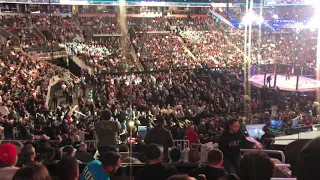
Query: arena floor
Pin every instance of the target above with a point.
(305, 84)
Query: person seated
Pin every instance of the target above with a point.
(256, 165)
(181, 177)
(49, 156)
(82, 154)
(34, 171)
(154, 168)
(68, 168)
(103, 168)
(8, 160)
(193, 156)
(213, 169)
(175, 156)
(125, 155)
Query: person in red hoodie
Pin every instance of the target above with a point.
(192, 136)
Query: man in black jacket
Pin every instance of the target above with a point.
(230, 143)
(161, 136)
(82, 154)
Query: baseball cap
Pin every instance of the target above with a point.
(8, 154)
(153, 151)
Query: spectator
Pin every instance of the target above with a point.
(154, 168)
(230, 177)
(125, 155)
(69, 151)
(68, 168)
(230, 143)
(175, 155)
(181, 177)
(192, 136)
(214, 168)
(32, 171)
(28, 154)
(107, 132)
(256, 165)
(49, 130)
(109, 164)
(267, 138)
(161, 136)
(307, 166)
(50, 155)
(8, 160)
(82, 154)
(193, 156)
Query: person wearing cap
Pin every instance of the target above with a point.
(160, 135)
(103, 168)
(8, 160)
(154, 168)
(107, 132)
(69, 151)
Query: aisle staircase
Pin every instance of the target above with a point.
(185, 47)
(14, 39)
(38, 33)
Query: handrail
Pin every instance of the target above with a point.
(283, 158)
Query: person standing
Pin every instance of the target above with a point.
(230, 142)
(55, 100)
(269, 81)
(192, 136)
(107, 132)
(288, 73)
(161, 136)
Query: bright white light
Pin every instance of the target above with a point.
(275, 16)
(131, 123)
(260, 20)
(248, 18)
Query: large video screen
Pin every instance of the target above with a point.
(255, 130)
(276, 126)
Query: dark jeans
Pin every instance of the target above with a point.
(231, 165)
(104, 149)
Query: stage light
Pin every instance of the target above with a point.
(260, 20)
(275, 16)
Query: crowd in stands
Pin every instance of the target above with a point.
(107, 57)
(148, 24)
(162, 51)
(101, 25)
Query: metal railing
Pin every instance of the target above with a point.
(181, 144)
(283, 158)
